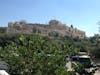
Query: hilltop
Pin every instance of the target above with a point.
(53, 28)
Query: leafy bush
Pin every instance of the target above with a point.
(37, 55)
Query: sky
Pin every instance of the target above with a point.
(82, 14)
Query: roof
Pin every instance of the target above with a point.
(82, 56)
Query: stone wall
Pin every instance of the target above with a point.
(53, 28)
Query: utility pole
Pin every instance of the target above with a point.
(99, 33)
(99, 26)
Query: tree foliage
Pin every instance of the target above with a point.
(37, 55)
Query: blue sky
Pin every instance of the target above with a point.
(83, 14)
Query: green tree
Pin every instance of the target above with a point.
(3, 29)
(37, 55)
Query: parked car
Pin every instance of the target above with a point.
(81, 64)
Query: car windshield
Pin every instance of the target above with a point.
(84, 60)
(80, 59)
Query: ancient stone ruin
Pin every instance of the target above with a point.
(53, 28)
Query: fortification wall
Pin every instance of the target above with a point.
(54, 27)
